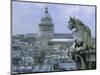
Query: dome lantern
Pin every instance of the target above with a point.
(46, 19)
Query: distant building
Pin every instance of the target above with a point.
(31, 35)
(47, 35)
(46, 29)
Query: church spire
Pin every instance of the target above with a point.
(46, 9)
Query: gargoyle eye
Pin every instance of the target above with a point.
(68, 21)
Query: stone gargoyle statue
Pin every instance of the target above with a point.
(81, 34)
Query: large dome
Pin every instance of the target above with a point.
(46, 18)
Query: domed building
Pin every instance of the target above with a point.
(47, 35)
(55, 45)
(46, 29)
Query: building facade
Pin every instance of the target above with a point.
(46, 29)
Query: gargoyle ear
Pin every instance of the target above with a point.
(71, 18)
(74, 17)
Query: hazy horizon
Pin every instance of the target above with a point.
(26, 16)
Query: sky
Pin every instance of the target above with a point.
(26, 16)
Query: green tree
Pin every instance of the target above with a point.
(30, 39)
(39, 59)
(56, 66)
(20, 37)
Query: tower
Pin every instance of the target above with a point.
(46, 29)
